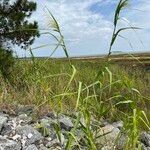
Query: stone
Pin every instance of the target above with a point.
(3, 121)
(28, 109)
(6, 144)
(56, 148)
(107, 136)
(51, 115)
(66, 123)
(145, 138)
(16, 137)
(107, 148)
(143, 147)
(121, 142)
(106, 129)
(7, 129)
(47, 123)
(118, 124)
(4, 114)
(56, 143)
(31, 147)
(53, 143)
(25, 118)
(30, 133)
(42, 147)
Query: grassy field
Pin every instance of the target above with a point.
(42, 81)
(114, 90)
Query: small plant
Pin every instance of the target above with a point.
(43, 129)
(6, 64)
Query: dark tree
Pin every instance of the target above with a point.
(15, 28)
(14, 24)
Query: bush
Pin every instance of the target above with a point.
(6, 63)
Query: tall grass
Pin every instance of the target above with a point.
(116, 32)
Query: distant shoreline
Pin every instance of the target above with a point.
(114, 55)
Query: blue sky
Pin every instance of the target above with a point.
(87, 26)
(103, 7)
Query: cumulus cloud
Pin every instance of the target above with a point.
(88, 32)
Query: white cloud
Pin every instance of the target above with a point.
(86, 32)
(79, 25)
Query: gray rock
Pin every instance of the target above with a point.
(30, 133)
(4, 115)
(7, 129)
(3, 121)
(53, 143)
(47, 123)
(56, 148)
(25, 118)
(66, 123)
(121, 142)
(103, 122)
(42, 147)
(143, 147)
(28, 109)
(107, 136)
(107, 148)
(51, 115)
(118, 124)
(56, 143)
(6, 144)
(31, 147)
(145, 138)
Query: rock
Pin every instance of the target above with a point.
(7, 129)
(51, 115)
(46, 122)
(145, 138)
(42, 147)
(143, 147)
(31, 147)
(121, 142)
(4, 114)
(53, 143)
(6, 144)
(106, 129)
(66, 123)
(118, 124)
(107, 136)
(103, 122)
(46, 127)
(25, 119)
(16, 137)
(56, 143)
(28, 109)
(56, 148)
(30, 133)
(3, 121)
(107, 148)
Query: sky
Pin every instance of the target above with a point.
(87, 26)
